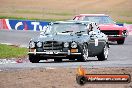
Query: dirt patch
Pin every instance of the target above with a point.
(120, 10)
(56, 78)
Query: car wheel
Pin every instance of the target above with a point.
(121, 41)
(34, 59)
(84, 56)
(58, 60)
(104, 54)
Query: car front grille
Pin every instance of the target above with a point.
(52, 45)
(110, 32)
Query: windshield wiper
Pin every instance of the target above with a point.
(67, 31)
(79, 32)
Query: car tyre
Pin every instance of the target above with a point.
(34, 59)
(121, 41)
(84, 56)
(104, 54)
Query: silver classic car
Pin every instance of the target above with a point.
(73, 40)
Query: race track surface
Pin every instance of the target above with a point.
(17, 37)
(119, 55)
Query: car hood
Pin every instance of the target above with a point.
(110, 27)
(62, 38)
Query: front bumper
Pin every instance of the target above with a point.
(121, 36)
(116, 37)
(54, 53)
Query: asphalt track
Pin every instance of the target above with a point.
(119, 55)
(17, 37)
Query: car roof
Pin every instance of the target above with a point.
(92, 15)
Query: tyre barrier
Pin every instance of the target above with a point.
(11, 24)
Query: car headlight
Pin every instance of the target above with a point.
(39, 44)
(124, 33)
(66, 44)
(32, 44)
(74, 45)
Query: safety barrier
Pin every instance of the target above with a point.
(10, 24)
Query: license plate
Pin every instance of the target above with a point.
(49, 52)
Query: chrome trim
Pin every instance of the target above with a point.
(54, 53)
(114, 35)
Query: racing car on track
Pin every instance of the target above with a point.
(69, 40)
(106, 25)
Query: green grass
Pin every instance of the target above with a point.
(37, 19)
(124, 22)
(7, 51)
(12, 17)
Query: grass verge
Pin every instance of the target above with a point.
(37, 19)
(7, 51)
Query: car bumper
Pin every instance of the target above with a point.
(55, 53)
(115, 37)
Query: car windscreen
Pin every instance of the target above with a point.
(96, 19)
(68, 28)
